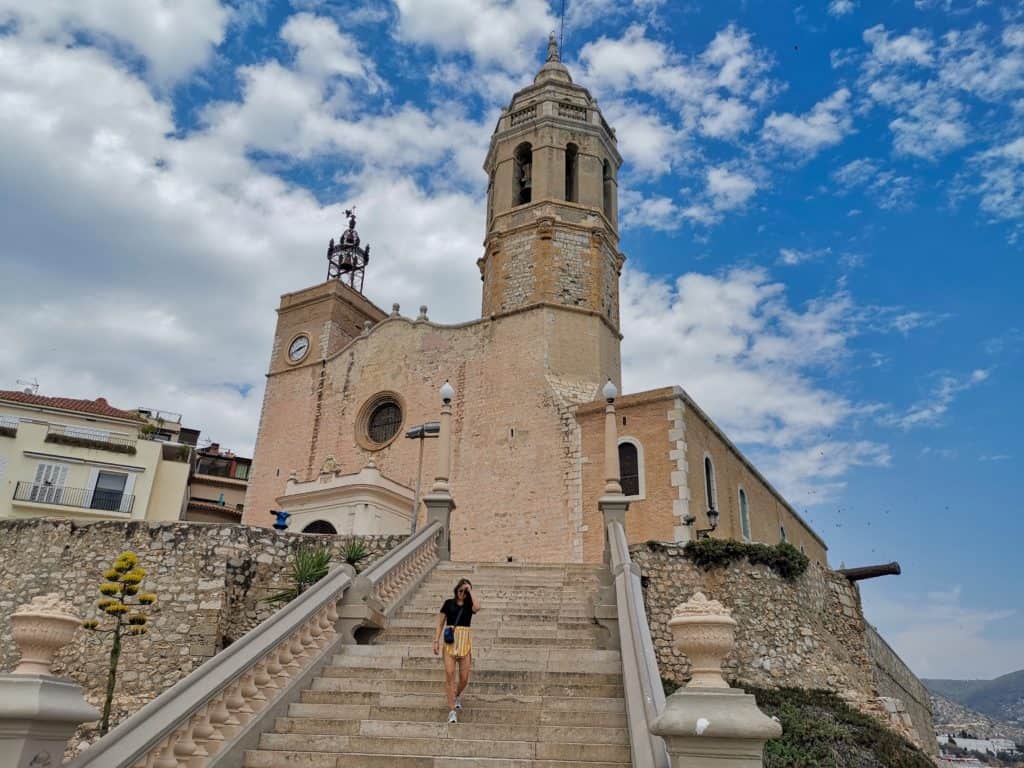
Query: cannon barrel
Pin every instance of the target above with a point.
(871, 571)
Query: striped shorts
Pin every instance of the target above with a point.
(463, 645)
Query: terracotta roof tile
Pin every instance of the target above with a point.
(97, 407)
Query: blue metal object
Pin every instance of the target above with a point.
(281, 523)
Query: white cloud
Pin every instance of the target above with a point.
(160, 225)
(729, 189)
(716, 92)
(648, 143)
(929, 411)
(792, 257)
(825, 125)
(886, 188)
(842, 7)
(174, 37)
(324, 52)
(912, 48)
(494, 32)
(749, 358)
(725, 118)
(940, 634)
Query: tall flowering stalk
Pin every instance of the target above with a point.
(122, 601)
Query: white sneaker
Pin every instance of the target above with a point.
(458, 702)
(452, 717)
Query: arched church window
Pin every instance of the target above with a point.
(744, 515)
(524, 173)
(608, 188)
(321, 527)
(782, 533)
(709, 483)
(630, 468)
(572, 156)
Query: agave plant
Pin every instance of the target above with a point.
(308, 567)
(354, 552)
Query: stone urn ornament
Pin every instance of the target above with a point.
(42, 627)
(705, 631)
(707, 724)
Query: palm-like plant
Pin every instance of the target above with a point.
(354, 552)
(308, 567)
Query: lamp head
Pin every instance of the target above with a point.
(713, 518)
(447, 392)
(609, 391)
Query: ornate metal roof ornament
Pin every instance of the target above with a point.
(346, 260)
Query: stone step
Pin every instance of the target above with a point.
(474, 699)
(509, 642)
(472, 713)
(295, 759)
(489, 619)
(555, 659)
(377, 685)
(484, 631)
(436, 673)
(506, 613)
(437, 747)
(491, 659)
(441, 729)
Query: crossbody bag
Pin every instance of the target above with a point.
(449, 632)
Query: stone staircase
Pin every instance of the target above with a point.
(545, 691)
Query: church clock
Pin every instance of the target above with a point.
(298, 349)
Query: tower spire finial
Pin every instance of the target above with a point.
(553, 54)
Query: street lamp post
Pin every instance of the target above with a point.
(421, 432)
(439, 501)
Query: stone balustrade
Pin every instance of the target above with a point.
(217, 708)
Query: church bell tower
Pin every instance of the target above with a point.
(552, 210)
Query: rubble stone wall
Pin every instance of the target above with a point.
(806, 633)
(209, 578)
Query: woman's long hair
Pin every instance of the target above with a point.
(458, 586)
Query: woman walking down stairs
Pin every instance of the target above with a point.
(546, 692)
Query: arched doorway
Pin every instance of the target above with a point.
(320, 526)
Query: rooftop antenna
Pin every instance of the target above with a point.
(561, 29)
(31, 386)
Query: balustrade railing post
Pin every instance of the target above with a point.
(40, 712)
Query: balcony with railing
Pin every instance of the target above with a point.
(83, 437)
(78, 498)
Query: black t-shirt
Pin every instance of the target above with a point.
(451, 609)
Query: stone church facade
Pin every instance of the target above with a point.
(348, 379)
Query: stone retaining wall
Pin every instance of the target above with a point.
(894, 680)
(209, 578)
(806, 633)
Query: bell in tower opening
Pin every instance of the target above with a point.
(346, 260)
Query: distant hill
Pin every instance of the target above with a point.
(1001, 699)
(950, 717)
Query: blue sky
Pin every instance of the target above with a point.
(822, 210)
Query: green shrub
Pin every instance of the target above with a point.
(309, 566)
(783, 558)
(820, 730)
(354, 552)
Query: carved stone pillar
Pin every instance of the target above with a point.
(707, 724)
(39, 712)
